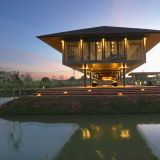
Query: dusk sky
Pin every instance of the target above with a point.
(22, 20)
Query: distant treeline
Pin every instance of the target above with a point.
(16, 84)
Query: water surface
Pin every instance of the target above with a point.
(117, 137)
(4, 100)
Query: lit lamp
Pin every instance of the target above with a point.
(38, 95)
(62, 41)
(65, 92)
(85, 67)
(124, 67)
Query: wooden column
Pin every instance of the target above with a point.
(85, 76)
(124, 75)
(90, 78)
(120, 77)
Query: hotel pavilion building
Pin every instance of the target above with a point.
(104, 52)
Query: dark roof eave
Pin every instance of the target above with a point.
(104, 30)
(105, 34)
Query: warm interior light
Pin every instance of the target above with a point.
(81, 41)
(62, 41)
(145, 41)
(89, 90)
(125, 41)
(106, 78)
(121, 67)
(87, 66)
(142, 89)
(83, 67)
(103, 40)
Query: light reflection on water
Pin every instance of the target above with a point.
(115, 137)
(4, 100)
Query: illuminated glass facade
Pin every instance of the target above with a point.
(135, 50)
(110, 51)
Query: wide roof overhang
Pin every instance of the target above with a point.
(54, 40)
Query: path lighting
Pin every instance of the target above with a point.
(65, 92)
(89, 90)
(142, 89)
(38, 95)
(120, 94)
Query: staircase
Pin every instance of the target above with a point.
(99, 91)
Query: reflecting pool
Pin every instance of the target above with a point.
(101, 137)
(4, 100)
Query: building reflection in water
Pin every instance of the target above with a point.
(85, 139)
(33, 140)
(15, 136)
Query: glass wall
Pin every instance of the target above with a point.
(85, 51)
(76, 52)
(121, 50)
(72, 52)
(99, 50)
(114, 50)
(107, 50)
(135, 50)
(92, 51)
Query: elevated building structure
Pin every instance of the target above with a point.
(104, 52)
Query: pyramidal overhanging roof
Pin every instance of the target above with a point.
(101, 31)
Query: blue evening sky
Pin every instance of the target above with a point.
(22, 20)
